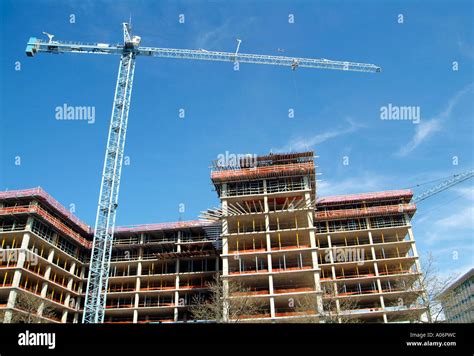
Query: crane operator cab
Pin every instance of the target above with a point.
(135, 42)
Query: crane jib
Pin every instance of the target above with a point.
(35, 45)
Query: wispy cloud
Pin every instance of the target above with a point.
(437, 239)
(224, 34)
(454, 273)
(460, 219)
(209, 39)
(466, 49)
(456, 247)
(427, 128)
(366, 182)
(304, 143)
(465, 192)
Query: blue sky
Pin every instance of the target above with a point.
(336, 113)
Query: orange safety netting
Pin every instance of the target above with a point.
(253, 292)
(40, 193)
(267, 171)
(389, 194)
(36, 209)
(162, 226)
(294, 290)
(370, 211)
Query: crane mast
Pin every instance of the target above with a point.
(96, 292)
(109, 189)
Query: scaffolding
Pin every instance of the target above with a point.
(262, 172)
(364, 197)
(162, 226)
(40, 194)
(325, 215)
(36, 209)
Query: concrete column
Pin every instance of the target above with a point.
(414, 249)
(272, 299)
(177, 280)
(331, 257)
(80, 286)
(72, 269)
(316, 274)
(137, 284)
(10, 304)
(269, 248)
(21, 253)
(47, 273)
(136, 296)
(376, 269)
(138, 279)
(319, 298)
(312, 236)
(68, 299)
(269, 259)
(21, 257)
(306, 183)
(312, 239)
(29, 223)
(65, 312)
(415, 254)
(333, 270)
(372, 248)
(267, 227)
(25, 240)
(225, 249)
(225, 231)
(135, 308)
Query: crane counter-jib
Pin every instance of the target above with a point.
(35, 45)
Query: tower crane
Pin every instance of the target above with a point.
(94, 307)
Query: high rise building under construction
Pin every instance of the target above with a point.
(353, 256)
